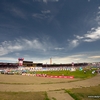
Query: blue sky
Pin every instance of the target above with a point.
(65, 30)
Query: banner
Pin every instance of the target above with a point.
(51, 76)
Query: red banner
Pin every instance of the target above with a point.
(50, 76)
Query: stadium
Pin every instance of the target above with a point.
(48, 80)
(29, 65)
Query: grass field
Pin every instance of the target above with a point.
(76, 74)
(18, 87)
(85, 93)
(23, 96)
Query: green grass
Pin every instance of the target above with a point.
(73, 95)
(76, 74)
(46, 96)
(23, 96)
(85, 93)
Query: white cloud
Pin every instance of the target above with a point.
(3, 51)
(17, 54)
(74, 43)
(9, 59)
(45, 1)
(22, 44)
(43, 15)
(98, 18)
(80, 57)
(58, 48)
(98, 13)
(77, 58)
(33, 44)
(93, 35)
(90, 36)
(99, 7)
(94, 57)
(79, 37)
(8, 46)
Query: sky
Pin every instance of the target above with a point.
(64, 30)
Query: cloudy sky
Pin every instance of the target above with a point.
(65, 30)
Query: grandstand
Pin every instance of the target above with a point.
(29, 65)
(8, 65)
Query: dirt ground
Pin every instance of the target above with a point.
(59, 95)
(50, 85)
(32, 79)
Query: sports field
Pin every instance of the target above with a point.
(16, 87)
